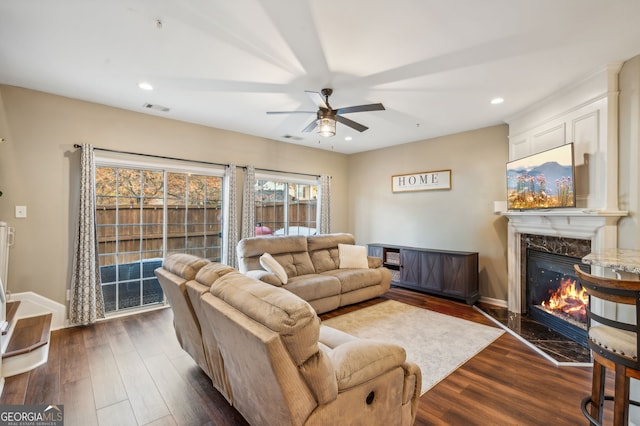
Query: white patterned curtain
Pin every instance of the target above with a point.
(230, 240)
(325, 197)
(87, 304)
(249, 203)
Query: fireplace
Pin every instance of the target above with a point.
(593, 230)
(554, 297)
(569, 232)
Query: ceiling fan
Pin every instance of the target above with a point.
(327, 117)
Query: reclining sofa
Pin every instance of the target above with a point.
(314, 267)
(267, 352)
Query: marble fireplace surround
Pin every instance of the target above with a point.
(600, 227)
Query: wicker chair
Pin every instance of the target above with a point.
(614, 346)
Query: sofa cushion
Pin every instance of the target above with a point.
(354, 279)
(289, 251)
(325, 259)
(314, 286)
(295, 264)
(256, 246)
(352, 256)
(323, 250)
(211, 272)
(360, 360)
(277, 309)
(184, 265)
(271, 265)
(331, 337)
(327, 241)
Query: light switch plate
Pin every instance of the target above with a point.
(21, 212)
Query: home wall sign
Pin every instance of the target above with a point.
(424, 181)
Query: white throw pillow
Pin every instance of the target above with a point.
(352, 256)
(271, 265)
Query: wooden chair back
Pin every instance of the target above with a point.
(619, 291)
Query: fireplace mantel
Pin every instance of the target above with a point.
(570, 223)
(599, 226)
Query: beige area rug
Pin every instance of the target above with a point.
(438, 343)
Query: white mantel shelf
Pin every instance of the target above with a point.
(571, 223)
(565, 212)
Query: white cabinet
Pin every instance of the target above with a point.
(6, 234)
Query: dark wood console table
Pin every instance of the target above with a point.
(440, 272)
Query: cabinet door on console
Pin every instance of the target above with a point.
(376, 251)
(422, 269)
(457, 273)
(460, 274)
(432, 271)
(410, 261)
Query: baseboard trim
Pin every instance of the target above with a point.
(496, 302)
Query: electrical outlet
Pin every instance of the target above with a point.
(21, 212)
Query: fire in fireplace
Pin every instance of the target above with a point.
(568, 300)
(554, 296)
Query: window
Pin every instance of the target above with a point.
(286, 207)
(144, 214)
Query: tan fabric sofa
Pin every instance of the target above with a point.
(312, 265)
(177, 278)
(267, 352)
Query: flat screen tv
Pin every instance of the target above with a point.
(542, 181)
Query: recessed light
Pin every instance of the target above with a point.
(496, 101)
(145, 85)
(348, 138)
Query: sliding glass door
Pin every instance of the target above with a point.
(143, 215)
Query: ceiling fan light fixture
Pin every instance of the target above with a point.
(327, 127)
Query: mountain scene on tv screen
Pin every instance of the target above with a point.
(548, 185)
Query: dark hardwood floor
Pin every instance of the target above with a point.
(131, 371)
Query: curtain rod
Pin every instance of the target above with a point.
(162, 157)
(192, 161)
(280, 171)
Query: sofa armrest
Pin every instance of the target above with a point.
(374, 262)
(412, 386)
(360, 360)
(265, 276)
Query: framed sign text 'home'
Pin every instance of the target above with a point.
(424, 181)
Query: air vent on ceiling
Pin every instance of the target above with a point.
(156, 107)
(295, 138)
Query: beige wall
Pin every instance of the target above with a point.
(39, 168)
(458, 219)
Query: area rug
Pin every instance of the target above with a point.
(438, 343)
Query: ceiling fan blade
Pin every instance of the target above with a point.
(317, 99)
(291, 112)
(360, 108)
(357, 126)
(311, 126)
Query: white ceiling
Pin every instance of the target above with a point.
(434, 64)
